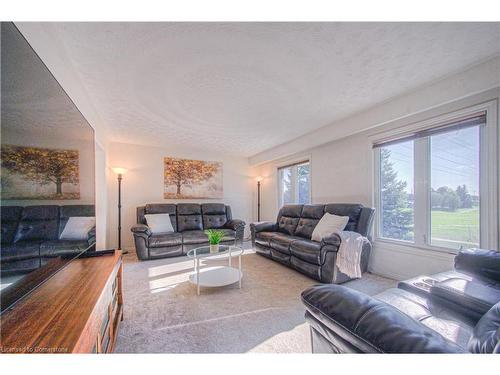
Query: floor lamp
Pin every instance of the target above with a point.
(259, 179)
(120, 172)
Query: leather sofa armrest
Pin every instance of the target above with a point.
(91, 237)
(239, 227)
(370, 325)
(480, 262)
(332, 241)
(235, 224)
(141, 229)
(263, 226)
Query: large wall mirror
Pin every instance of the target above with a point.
(47, 172)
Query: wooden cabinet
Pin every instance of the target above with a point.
(108, 331)
(78, 310)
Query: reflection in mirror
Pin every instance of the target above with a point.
(47, 172)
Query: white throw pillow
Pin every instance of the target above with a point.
(328, 225)
(77, 228)
(159, 223)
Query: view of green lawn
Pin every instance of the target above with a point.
(455, 228)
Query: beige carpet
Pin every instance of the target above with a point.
(163, 314)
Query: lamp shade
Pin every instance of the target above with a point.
(119, 170)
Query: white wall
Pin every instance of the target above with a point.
(143, 183)
(342, 171)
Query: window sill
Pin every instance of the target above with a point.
(409, 247)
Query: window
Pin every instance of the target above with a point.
(430, 189)
(294, 184)
(454, 189)
(396, 191)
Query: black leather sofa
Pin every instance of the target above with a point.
(451, 312)
(189, 221)
(30, 235)
(288, 240)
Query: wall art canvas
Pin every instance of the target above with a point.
(39, 173)
(188, 179)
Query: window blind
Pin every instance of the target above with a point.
(293, 164)
(456, 124)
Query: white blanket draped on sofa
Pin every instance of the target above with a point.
(349, 254)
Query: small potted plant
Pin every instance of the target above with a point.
(214, 238)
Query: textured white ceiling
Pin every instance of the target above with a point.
(33, 103)
(246, 87)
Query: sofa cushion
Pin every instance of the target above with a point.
(287, 224)
(214, 221)
(159, 208)
(346, 209)
(21, 266)
(263, 238)
(165, 239)
(440, 319)
(9, 229)
(159, 223)
(288, 218)
(189, 222)
(188, 209)
(311, 270)
(164, 252)
(480, 263)
(214, 215)
(38, 223)
(281, 242)
(486, 335)
(74, 210)
(194, 237)
(310, 216)
(36, 230)
(307, 250)
(280, 257)
(213, 209)
(10, 219)
(57, 248)
(472, 295)
(20, 251)
(189, 217)
(77, 210)
(77, 228)
(305, 227)
(40, 213)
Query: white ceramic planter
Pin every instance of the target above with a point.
(214, 249)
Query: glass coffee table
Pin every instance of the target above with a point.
(215, 276)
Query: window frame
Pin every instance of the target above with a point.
(295, 164)
(488, 178)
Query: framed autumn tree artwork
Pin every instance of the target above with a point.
(39, 173)
(187, 179)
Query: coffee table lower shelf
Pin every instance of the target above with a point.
(217, 276)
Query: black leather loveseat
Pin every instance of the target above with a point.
(30, 235)
(288, 240)
(452, 312)
(189, 220)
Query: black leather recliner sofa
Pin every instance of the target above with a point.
(189, 221)
(288, 240)
(451, 312)
(30, 235)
